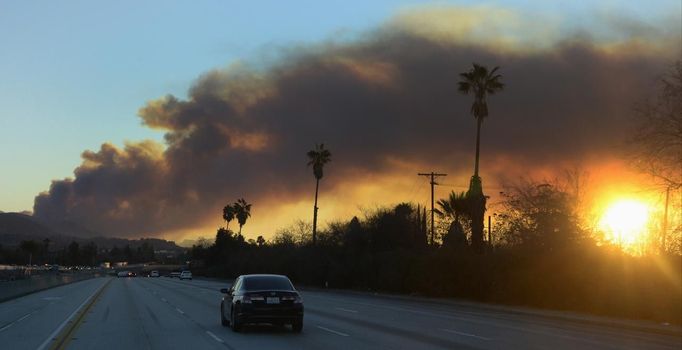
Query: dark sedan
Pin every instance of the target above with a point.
(261, 299)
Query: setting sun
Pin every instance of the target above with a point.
(626, 221)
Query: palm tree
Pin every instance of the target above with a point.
(455, 206)
(242, 212)
(481, 83)
(228, 215)
(318, 157)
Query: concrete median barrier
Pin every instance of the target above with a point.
(17, 288)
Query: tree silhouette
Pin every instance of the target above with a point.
(480, 82)
(242, 212)
(318, 157)
(46, 249)
(656, 141)
(456, 206)
(228, 215)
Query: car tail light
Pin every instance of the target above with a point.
(248, 299)
(295, 298)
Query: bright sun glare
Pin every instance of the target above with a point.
(626, 221)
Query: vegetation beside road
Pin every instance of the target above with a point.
(387, 251)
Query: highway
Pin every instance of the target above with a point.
(163, 313)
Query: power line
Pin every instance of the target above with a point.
(433, 183)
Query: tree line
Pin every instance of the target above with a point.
(75, 254)
(542, 257)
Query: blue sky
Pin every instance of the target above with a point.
(74, 73)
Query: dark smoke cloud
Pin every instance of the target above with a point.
(390, 96)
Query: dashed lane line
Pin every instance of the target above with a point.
(16, 321)
(215, 337)
(464, 334)
(346, 310)
(333, 331)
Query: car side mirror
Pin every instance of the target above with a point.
(224, 291)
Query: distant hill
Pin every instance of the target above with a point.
(17, 227)
(22, 225)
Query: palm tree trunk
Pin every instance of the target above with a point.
(478, 143)
(317, 187)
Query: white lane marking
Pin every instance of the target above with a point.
(164, 300)
(180, 311)
(214, 337)
(464, 334)
(471, 319)
(346, 310)
(474, 318)
(61, 326)
(333, 331)
(19, 320)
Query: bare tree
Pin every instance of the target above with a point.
(655, 147)
(656, 141)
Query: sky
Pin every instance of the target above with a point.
(80, 76)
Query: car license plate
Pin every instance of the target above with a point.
(272, 300)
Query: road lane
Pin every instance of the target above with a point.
(27, 322)
(431, 325)
(163, 313)
(129, 316)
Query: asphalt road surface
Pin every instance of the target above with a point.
(163, 313)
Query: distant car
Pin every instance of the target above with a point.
(174, 274)
(186, 275)
(132, 274)
(122, 274)
(261, 299)
(154, 274)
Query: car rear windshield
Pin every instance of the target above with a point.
(267, 283)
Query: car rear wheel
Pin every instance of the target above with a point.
(223, 320)
(236, 325)
(297, 326)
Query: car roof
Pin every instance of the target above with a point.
(263, 275)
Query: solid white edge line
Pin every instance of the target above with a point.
(464, 334)
(333, 331)
(61, 326)
(346, 310)
(214, 337)
(7, 326)
(24, 317)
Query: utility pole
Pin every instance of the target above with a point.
(433, 176)
(490, 235)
